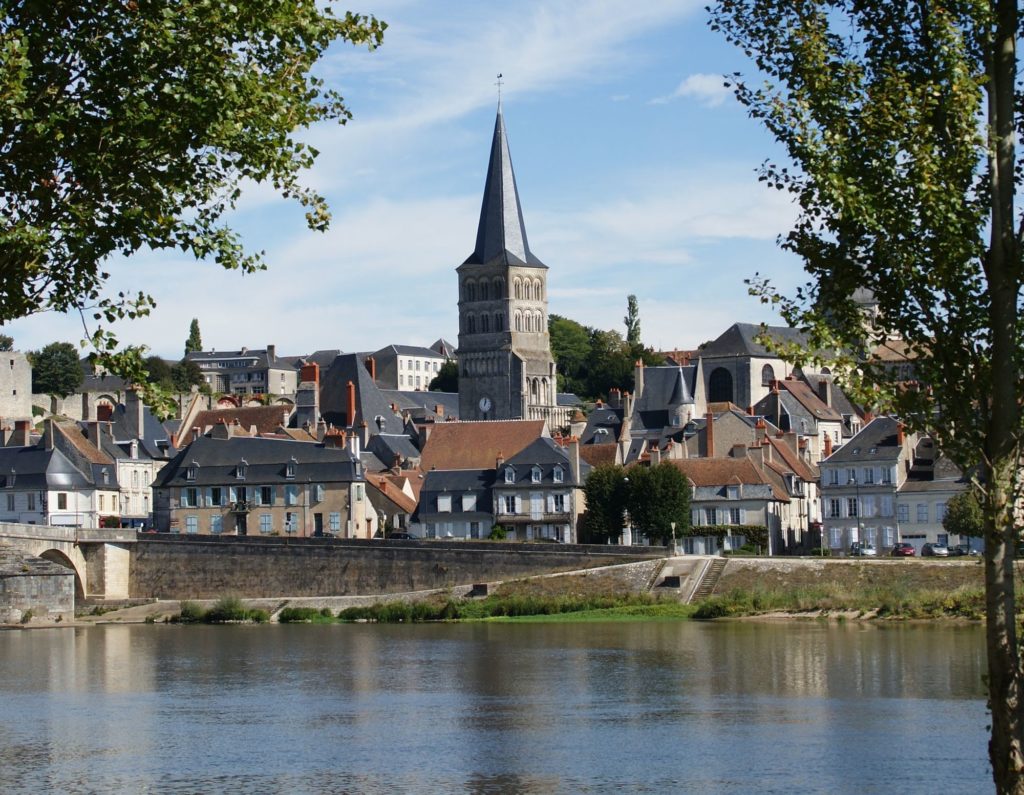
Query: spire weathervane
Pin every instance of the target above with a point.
(498, 84)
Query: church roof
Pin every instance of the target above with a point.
(501, 234)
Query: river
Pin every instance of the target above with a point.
(668, 706)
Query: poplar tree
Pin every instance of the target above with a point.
(899, 122)
(195, 340)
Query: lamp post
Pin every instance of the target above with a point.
(675, 551)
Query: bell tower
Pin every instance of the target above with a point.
(506, 370)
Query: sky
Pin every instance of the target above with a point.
(636, 169)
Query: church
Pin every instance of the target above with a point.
(504, 353)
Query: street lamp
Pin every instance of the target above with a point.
(674, 549)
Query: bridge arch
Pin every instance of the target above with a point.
(58, 557)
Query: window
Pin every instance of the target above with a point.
(833, 477)
(318, 492)
(888, 536)
(215, 496)
(444, 503)
(510, 475)
(334, 521)
(559, 503)
(289, 469)
(851, 506)
(191, 470)
(922, 512)
(767, 375)
(886, 475)
(291, 494)
(834, 510)
(266, 523)
(711, 516)
(192, 524)
(851, 475)
(735, 516)
(535, 475)
(940, 511)
(266, 495)
(31, 500)
(886, 505)
(241, 468)
(835, 536)
(510, 504)
(474, 529)
(216, 523)
(869, 474)
(558, 474)
(468, 502)
(291, 522)
(10, 502)
(190, 497)
(903, 512)
(868, 505)
(732, 492)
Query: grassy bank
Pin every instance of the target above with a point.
(228, 610)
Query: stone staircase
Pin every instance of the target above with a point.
(710, 579)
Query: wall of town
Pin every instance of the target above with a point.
(212, 567)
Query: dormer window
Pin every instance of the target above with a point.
(105, 476)
(289, 468)
(241, 468)
(558, 474)
(191, 471)
(535, 475)
(732, 492)
(510, 475)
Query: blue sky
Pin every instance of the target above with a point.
(635, 167)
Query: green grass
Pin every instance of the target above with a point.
(227, 610)
(306, 615)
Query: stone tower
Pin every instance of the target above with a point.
(506, 370)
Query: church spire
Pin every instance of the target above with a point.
(501, 232)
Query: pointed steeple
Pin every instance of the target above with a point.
(501, 232)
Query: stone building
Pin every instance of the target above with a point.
(505, 362)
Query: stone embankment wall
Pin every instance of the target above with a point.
(208, 567)
(34, 589)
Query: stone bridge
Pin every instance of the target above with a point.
(99, 557)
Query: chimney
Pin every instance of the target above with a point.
(424, 433)
(22, 434)
(94, 434)
(614, 397)
(51, 431)
(271, 353)
(371, 365)
(364, 431)
(710, 433)
(353, 445)
(134, 414)
(321, 429)
(627, 405)
(438, 410)
(350, 416)
(574, 460)
(756, 454)
(761, 431)
(655, 454)
(638, 381)
(825, 391)
(499, 460)
(310, 373)
(750, 411)
(396, 464)
(900, 437)
(828, 446)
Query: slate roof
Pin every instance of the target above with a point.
(409, 350)
(476, 445)
(739, 340)
(370, 399)
(36, 468)
(421, 404)
(719, 471)
(603, 426)
(546, 454)
(477, 482)
(388, 445)
(665, 387)
(501, 233)
(265, 459)
(877, 441)
(155, 439)
(445, 348)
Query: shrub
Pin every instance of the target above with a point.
(227, 608)
(711, 608)
(26, 616)
(190, 613)
(498, 533)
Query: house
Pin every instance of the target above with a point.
(477, 445)
(58, 481)
(730, 494)
(456, 503)
(538, 492)
(247, 371)
(860, 482)
(407, 367)
(793, 406)
(921, 499)
(247, 485)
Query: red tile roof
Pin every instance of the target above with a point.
(267, 419)
(598, 454)
(476, 445)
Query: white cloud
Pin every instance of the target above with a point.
(709, 90)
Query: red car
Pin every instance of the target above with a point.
(903, 550)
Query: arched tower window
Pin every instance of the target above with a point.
(499, 288)
(485, 323)
(470, 291)
(767, 375)
(483, 291)
(518, 287)
(471, 322)
(720, 386)
(499, 322)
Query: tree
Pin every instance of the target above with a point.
(900, 122)
(56, 370)
(606, 492)
(447, 378)
(158, 372)
(632, 321)
(195, 340)
(659, 496)
(6, 342)
(964, 516)
(186, 374)
(570, 347)
(134, 124)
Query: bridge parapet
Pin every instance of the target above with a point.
(105, 535)
(38, 532)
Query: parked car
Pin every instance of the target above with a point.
(903, 550)
(401, 535)
(858, 550)
(930, 550)
(963, 549)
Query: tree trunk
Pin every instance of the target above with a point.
(1006, 745)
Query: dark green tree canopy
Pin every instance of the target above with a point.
(606, 491)
(657, 497)
(6, 342)
(195, 339)
(447, 378)
(632, 321)
(964, 516)
(56, 370)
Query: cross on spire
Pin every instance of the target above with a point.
(499, 84)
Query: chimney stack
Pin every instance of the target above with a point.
(350, 416)
(710, 433)
(614, 398)
(499, 460)
(271, 353)
(638, 381)
(825, 391)
(574, 460)
(828, 446)
(900, 436)
(371, 365)
(761, 431)
(22, 434)
(310, 373)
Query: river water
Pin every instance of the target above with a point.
(494, 708)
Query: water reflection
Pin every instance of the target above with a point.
(480, 708)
